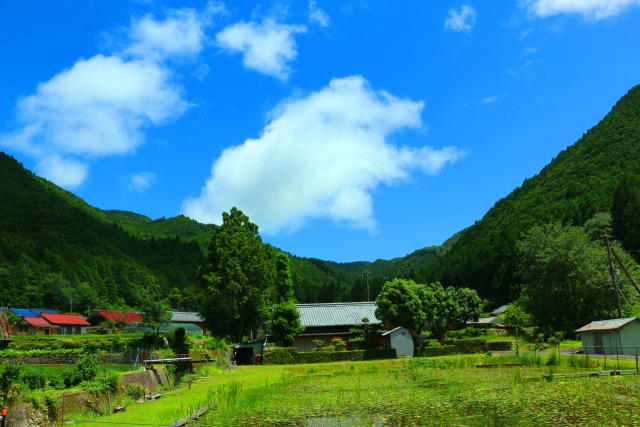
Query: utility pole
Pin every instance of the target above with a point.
(613, 274)
(366, 274)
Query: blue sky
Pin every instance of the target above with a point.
(347, 131)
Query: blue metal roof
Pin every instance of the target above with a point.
(23, 312)
(38, 311)
(337, 314)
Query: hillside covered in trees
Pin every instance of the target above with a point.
(582, 180)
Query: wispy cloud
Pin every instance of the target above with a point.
(317, 15)
(141, 181)
(266, 47)
(590, 9)
(321, 156)
(100, 106)
(461, 20)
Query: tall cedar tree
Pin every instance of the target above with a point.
(285, 319)
(238, 274)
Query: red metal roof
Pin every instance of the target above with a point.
(118, 316)
(38, 321)
(65, 319)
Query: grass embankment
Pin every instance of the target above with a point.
(405, 392)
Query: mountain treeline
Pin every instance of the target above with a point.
(582, 180)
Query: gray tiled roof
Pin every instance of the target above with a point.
(185, 316)
(606, 325)
(337, 314)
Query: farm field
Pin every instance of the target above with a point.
(448, 391)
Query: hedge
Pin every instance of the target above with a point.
(500, 346)
(291, 355)
(466, 346)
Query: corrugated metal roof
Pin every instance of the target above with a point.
(65, 319)
(119, 316)
(337, 314)
(606, 325)
(22, 312)
(186, 316)
(500, 310)
(39, 311)
(39, 321)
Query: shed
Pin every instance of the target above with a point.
(328, 320)
(614, 336)
(400, 339)
(245, 353)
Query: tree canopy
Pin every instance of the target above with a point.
(238, 274)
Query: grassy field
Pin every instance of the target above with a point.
(448, 391)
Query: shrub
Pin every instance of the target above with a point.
(471, 346)
(34, 379)
(329, 348)
(87, 368)
(444, 350)
(500, 346)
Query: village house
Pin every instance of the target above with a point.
(69, 324)
(325, 321)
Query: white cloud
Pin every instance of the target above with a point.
(266, 48)
(321, 156)
(317, 15)
(96, 108)
(100, 106)
(141, 181)
(592, 9)
(181, 33)
(67, 173)
(462, 20)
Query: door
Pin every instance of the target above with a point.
(597, 343)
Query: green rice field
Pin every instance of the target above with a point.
(446, 391)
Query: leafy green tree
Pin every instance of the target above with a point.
(405, 303)
(599, 225)
(155, 313)
(565, 276)
(453, 307)
(285, 323)
(516, 315)
(238, 274)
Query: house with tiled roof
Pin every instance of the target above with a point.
(70, 324)
(328, 320)
(186, 318)
(613, 336)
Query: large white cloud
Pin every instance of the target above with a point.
(594, 9)
(100, 106)
(321, 156)
(267, 47)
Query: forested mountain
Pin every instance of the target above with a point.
(580, 181)
(56, 251)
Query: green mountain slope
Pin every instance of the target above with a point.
(579, 182)
(57, 252)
